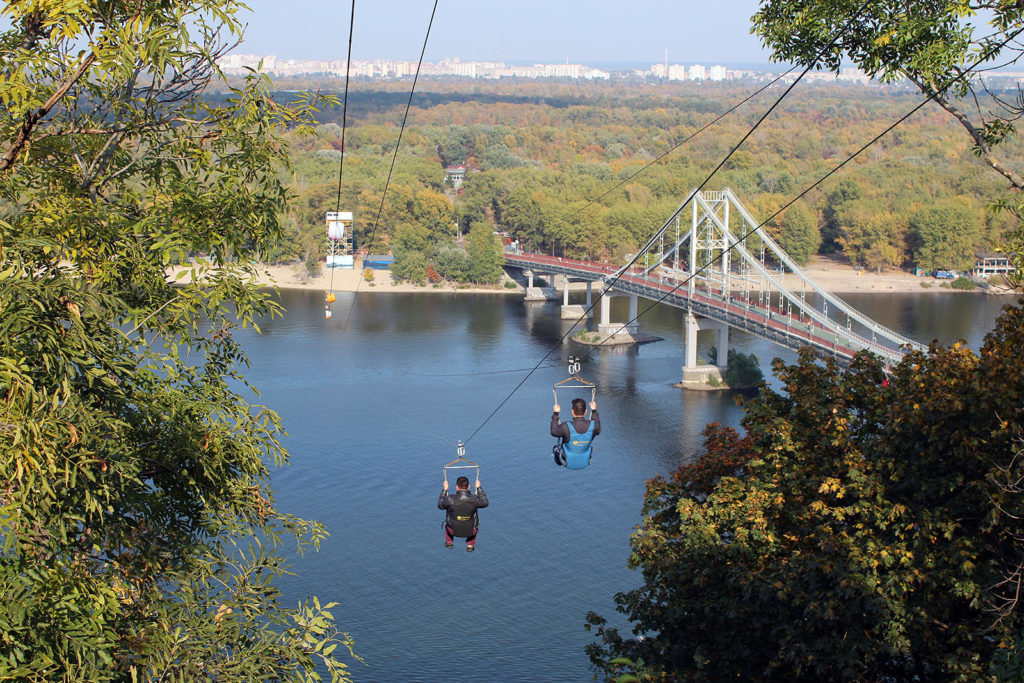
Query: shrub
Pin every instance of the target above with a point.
(963, 283)
(313, 267)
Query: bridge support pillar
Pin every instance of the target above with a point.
(606, 328)
(570, 311)
(590, 300)
(702, 374)
(533, 293)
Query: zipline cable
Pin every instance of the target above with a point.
(344, 121)
(665, 225)
(820, 180)
(387, 183)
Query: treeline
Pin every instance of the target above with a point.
(564, 169)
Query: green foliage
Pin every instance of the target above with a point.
(451, 262)
(575, 145)
(410, 265)
(743, 370)
(485, 254)
(799, 235)
(313, 268)
(944, 236)
(139, 530)
(500, 156)
(963, 283)
(933, 45)
(865, 528)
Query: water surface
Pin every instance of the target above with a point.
(375, 400)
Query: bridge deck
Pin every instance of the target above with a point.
(766, 321)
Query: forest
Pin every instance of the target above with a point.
(592, 170)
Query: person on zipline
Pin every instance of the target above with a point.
(461, 519)
(577, 435)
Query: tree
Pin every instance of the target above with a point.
(847, 192)
(931, 44)
(434, 212)
(944, 236)
(940, 46)
(865, 528)
(139, 528)
(500, 156)
(799, 234)
(743, 370)
(485, 255)
(867, 235)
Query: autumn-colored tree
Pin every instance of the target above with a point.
(939, 46)
(867, 527)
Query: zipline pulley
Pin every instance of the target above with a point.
(461, 463)
(575, 381)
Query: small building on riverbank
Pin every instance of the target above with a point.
(378, 261)
(987, 265)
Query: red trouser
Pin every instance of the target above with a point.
(449, 536)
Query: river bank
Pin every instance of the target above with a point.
(831, 274)
(351, 280)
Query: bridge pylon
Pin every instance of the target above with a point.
(694, 373)
(726, 271)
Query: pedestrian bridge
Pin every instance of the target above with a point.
(725, 272)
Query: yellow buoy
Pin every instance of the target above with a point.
(330, 297)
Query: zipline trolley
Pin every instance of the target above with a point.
(460, 463)
(575, 381)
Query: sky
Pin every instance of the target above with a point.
(580, 31)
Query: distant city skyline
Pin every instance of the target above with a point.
(518, 31)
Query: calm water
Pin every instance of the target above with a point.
(375, 410)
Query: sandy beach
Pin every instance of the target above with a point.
(832, 274)
(350, 280)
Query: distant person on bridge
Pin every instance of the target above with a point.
(461, 520)
(577, 435)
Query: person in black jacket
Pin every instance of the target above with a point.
(461, 519)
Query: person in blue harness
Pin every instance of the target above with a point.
(577, 435)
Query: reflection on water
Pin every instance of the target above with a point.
(374, 409)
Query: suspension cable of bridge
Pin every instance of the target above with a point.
(398, 144)
(344, 121)
(675, 214)
(962, 74)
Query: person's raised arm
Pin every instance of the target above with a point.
(595, 418)
(556, 427)
(481, 497)
(443, 503)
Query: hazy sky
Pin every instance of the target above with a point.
(587, 31)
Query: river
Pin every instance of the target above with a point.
(375, 400)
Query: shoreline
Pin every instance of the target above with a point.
(829, 273)
(352, 279)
